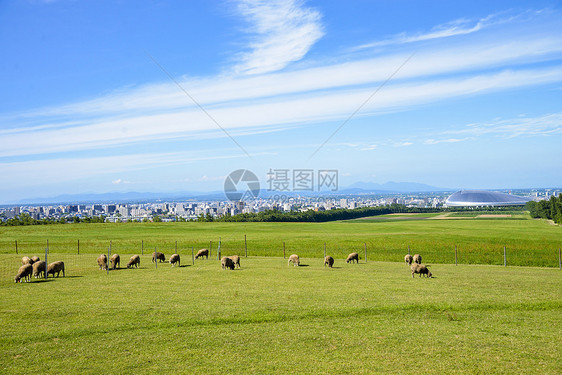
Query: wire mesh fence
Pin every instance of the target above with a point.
(80, 256)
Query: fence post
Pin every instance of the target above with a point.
(192, 257)
(210, 247)
(246, 246)
(155, 257)
(219, 250)
(365, 244)
(46, 261)
(283, 249)
(504, 257)
(108, 254)
(324, 250)
(456, 255)
(408, 249)
(176, 247)
(16, 246)
(559, 259)
(78, 247)
(142, 247)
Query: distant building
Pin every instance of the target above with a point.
(479, 198)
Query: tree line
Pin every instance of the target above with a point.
(26, 219)
(547, 209)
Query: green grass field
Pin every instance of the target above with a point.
(270, 318)
(478, 240)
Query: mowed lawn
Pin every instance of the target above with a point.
(271, 318)
(478, 240)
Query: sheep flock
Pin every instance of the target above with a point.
(33, 266)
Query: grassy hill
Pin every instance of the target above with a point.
(270, 318)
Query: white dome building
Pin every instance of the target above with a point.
(480, 198)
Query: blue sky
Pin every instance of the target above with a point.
(86, 103)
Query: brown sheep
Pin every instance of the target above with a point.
(38, 269)
(26, 260)
(158, 256)
(295, 260)
(115, 261)
(134, 261)
(417, 258)
(421, 269)
(35, 258)
(202, 253)
(408, 259)
(226, 262)
(352, 257)
(175, 258)
(329, 261)
(102, 262)
(24, 272)
(56, 267)
(235, 259)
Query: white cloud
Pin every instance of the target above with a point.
(454, 28)
(285, 31)
(281, 113)
(402, 144)
(63, 170)
(431, 141)
(120, 182)
(546, 125)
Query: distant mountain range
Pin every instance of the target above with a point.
(137, 197)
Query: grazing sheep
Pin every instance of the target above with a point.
(352, 257)
(158, 256)
(226, 262)
(202, 253)
(421, 269)
(24, 272)
(329, 261)
(294, 259)
(115, 261)
(38, 269)
(135, 261)
(26, 260)
(235, 259)
(102, 262)
(56, 267)
(417, 258)
(35, 258)
(408, 259)
(175, 258)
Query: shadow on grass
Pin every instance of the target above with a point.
(303, 265)
(185, 265)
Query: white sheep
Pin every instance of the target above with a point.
(408, 259)
(24, 272)
(56, 267)
(39, 268)
(295, 260)
(421, 269)
(175, 258)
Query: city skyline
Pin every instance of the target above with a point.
(173, 97)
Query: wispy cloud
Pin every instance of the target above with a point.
(454, 28)
(546, 125)
(284, 32)
(76, 168)
(432, 141)
(281, 113)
